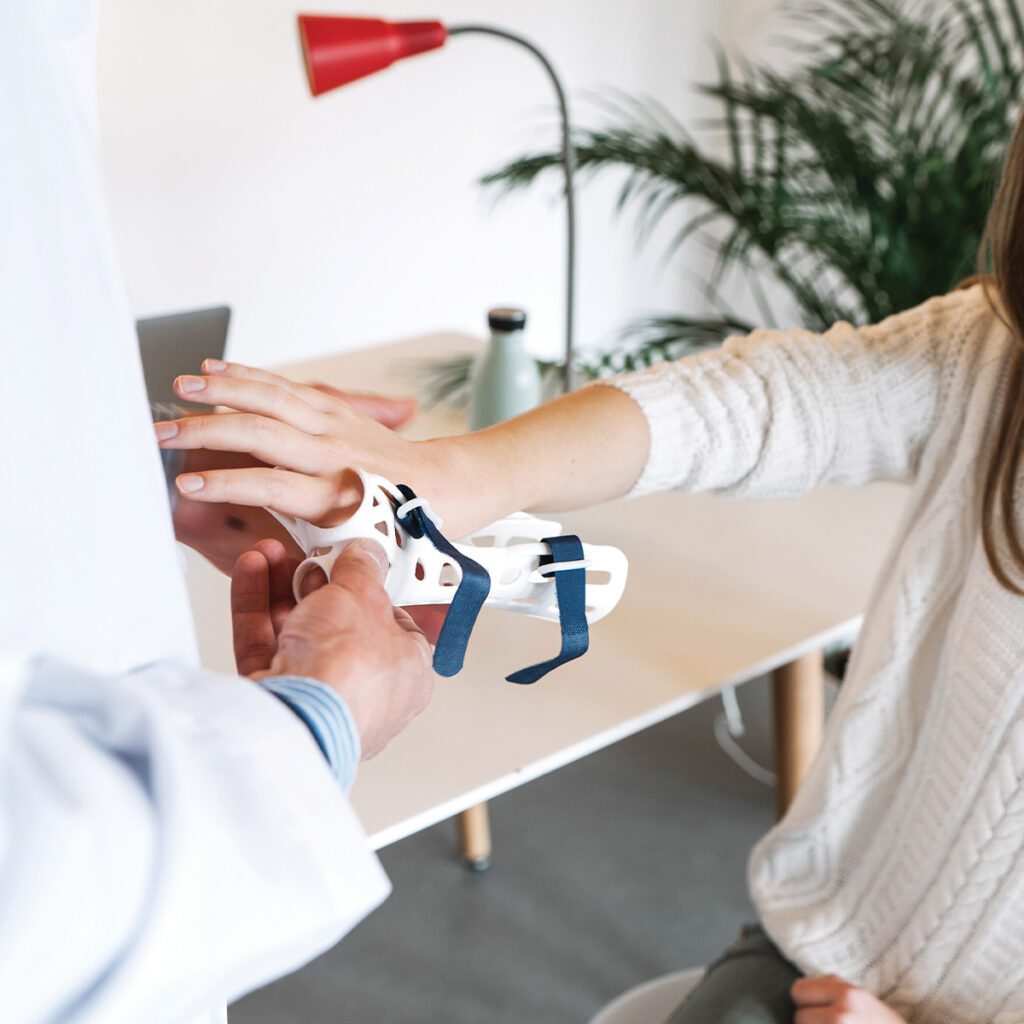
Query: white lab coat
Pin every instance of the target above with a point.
(169, 838)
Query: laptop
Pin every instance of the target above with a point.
(176, 344)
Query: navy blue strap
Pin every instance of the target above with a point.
(450, 650)
(571, 591)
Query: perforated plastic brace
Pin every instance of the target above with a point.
(519, 564)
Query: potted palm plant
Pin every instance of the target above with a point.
(858, 181)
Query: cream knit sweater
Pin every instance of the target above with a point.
(900, 865)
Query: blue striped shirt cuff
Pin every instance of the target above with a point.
(327, 717)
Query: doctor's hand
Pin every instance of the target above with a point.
(343, 633)
(830, 1000)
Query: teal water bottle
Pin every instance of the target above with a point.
(505, 380)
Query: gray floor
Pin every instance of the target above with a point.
(611, 871)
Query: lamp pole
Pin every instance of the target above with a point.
(568, 166)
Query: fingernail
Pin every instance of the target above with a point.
(374, 550)
(190, 384)
(214, 366)
(165, 431)
(191, 482)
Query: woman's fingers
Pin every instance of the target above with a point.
(313, 396)
(266, 399)
(291, 494)
(266, 439)
(389, 411)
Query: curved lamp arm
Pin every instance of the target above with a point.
(340, 49)
(568, 165)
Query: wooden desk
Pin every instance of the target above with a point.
(719, 592)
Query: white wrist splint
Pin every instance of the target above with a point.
(511, 551)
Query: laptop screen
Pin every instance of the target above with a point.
(176, 344)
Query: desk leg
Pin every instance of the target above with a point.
(474, 829)
(798, 691)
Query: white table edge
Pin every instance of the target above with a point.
(844, 631)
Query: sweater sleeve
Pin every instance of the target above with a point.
(775, 413)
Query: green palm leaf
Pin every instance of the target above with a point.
(860, 181)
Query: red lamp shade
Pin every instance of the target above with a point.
(340, 50)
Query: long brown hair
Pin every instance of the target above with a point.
(1001, 263)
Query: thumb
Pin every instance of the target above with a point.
(361, 558)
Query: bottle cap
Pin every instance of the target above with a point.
(506, 319)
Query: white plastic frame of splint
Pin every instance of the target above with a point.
(510, 550)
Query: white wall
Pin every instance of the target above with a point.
(355, 218)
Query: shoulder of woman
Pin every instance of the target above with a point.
(964, 321)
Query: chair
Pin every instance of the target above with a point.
(651, 1002)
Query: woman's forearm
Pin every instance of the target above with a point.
(588, 447)
(582, 449)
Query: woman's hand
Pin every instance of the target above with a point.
(830, 1000)
(579, 450)
(221, 532)
(308, 440)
